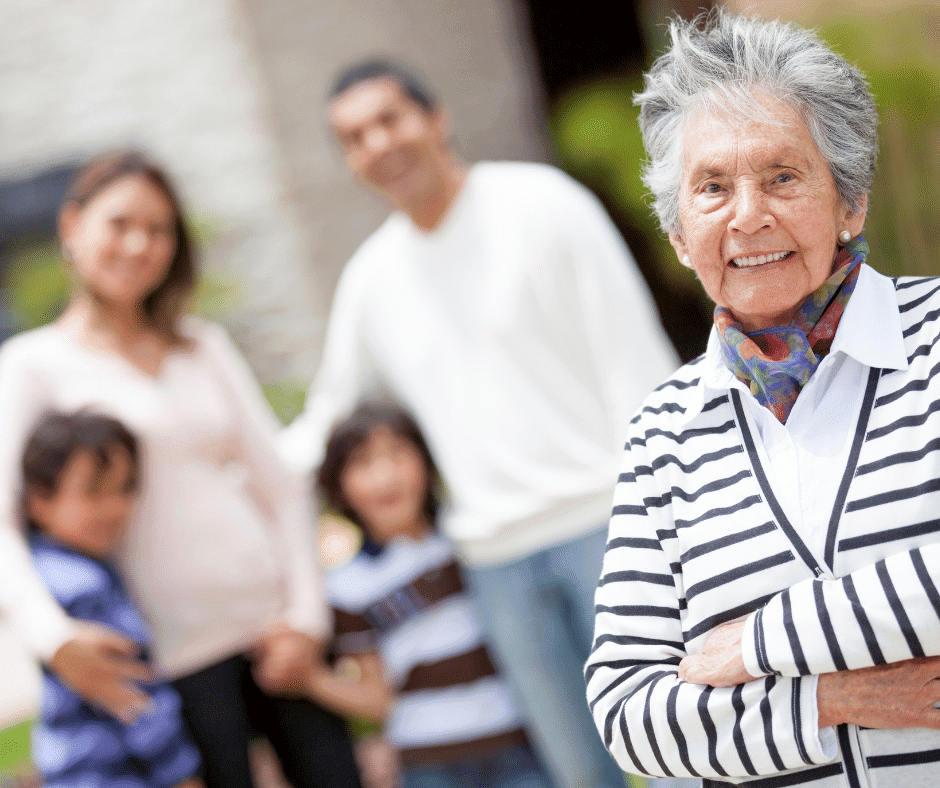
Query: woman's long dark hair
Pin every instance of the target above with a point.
(351, 433)
(165, 305)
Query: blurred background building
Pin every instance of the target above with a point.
(229, 95)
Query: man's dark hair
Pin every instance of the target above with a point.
(58, 437)
(351, 433)
(412, 85)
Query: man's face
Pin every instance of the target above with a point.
(389, 141)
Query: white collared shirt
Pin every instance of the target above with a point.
(805, 458)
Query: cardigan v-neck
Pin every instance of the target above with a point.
(805, 460)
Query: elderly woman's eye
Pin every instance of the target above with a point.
(785, 177)
(712, 188)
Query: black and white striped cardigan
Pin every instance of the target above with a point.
(698, 538)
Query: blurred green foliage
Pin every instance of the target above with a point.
(286, 398)
(36, 284)
(14, 750)
(896, 52)
(598, 140)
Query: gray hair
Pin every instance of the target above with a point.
(718, 62)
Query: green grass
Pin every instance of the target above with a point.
(14, 748)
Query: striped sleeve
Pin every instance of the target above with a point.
(886, 612)
(651, 722)
(160, 742)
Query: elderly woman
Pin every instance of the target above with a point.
(789, 475)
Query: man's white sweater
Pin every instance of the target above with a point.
(521, 335)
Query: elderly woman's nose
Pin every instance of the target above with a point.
(750, 210)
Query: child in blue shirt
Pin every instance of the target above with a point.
(80, 474)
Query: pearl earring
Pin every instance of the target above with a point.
(845, 236)
(687, 261)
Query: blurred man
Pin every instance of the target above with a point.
(499, 303)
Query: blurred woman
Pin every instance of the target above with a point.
(219, 551)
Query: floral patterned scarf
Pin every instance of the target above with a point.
(777, 362)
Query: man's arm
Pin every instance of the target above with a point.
(346, 372)
(626, 340)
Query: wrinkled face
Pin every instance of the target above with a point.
(385, 482)
(390, 142)
(760, 214)
(91, 507)
(122, 241)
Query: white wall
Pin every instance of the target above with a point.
(181, 80)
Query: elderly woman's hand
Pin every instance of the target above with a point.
(720, 664)
(900, 695)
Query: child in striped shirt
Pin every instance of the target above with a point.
(411, 645)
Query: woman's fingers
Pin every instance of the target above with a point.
(720, 664)
(101, 666)
(284, 659)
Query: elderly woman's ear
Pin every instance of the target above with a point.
(855, 221)
(681, 251)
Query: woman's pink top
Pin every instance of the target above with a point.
(221, 543)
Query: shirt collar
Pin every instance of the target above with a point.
(870, 332)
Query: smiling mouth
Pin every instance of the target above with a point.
(761, 259)
(395, 167)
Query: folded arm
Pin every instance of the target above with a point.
(880, 614)
(651, 721)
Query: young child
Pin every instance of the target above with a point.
(404, 619)
(80, 475)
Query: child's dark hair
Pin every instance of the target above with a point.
(352, 432)
(58, 437)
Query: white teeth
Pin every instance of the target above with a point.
(745, 262)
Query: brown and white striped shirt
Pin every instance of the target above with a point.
(408, 602)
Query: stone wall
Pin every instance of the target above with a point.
(180, 80)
